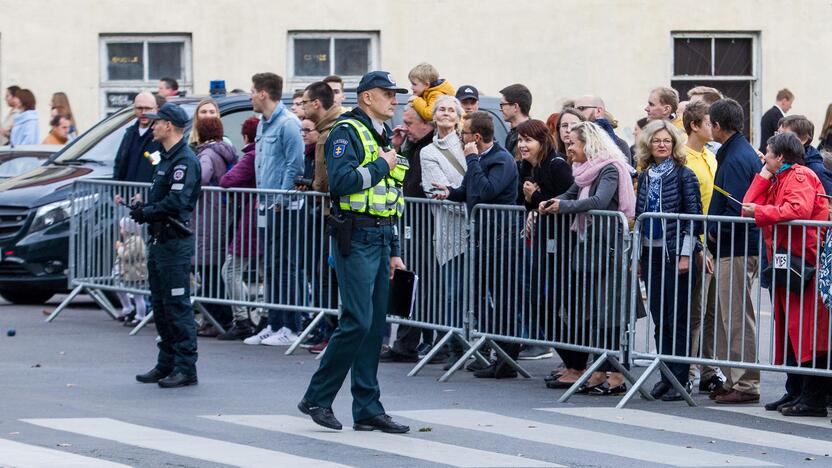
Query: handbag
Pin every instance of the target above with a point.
(825, 271)
(790, 270)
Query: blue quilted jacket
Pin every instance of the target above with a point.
(679, 194)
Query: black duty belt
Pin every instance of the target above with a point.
(360, 221)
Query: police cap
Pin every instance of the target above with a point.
(172, 113)
(378, 79)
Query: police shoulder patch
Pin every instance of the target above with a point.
(179, 174)
(339, 146)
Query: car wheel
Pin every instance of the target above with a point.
(26, 296)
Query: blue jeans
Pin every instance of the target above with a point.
(284, 255)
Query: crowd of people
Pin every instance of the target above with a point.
(689, 158)
(20, 125)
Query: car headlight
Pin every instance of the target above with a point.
(54, 213)
(50, 215)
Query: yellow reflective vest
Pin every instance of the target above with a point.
(387, 197)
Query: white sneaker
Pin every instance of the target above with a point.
(281, 339)
(258, 338)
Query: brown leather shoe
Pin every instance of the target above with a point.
(719, 391)
(735, 397)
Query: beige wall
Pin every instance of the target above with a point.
(618, 49)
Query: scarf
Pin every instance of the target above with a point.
(654, 193)
(586, 173)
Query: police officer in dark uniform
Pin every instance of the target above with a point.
(365, 178)
(170, 204)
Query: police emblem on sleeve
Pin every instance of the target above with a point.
(178, 174)
(338, 148)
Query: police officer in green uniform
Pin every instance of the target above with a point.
(171, 200)
(365, 178)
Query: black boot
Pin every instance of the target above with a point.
(178, 379)
(785, 400)
(239, 331)
(153, 376)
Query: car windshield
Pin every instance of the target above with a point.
(101, 142)
(20, 165)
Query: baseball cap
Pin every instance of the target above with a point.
(467, 92)
(378, 79)
(172, 113)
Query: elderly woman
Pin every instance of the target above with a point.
(786, 190)
(665, 185)
(443, 163)
(602, 182)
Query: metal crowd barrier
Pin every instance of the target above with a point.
(727, 319)
(434, 244)
(553, 280)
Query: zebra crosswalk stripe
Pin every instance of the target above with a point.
(201, 448)
(700, 428)
(581, 439)
(17, 454)
(761, 412)
(405, 445)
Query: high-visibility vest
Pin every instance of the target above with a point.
(387, 197)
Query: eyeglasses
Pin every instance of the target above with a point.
(505, 104)
(661, 142)
(583, 108)
(463, 132)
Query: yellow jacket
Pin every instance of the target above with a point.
(704, 166)
(424, 104)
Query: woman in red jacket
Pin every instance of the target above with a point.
(785, 190)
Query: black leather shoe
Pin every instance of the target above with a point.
(239, 331)
(383, 423)
(497, 370)
(660, 389)
(673, 395)
(802, 409)
(153, 376)
(452, 359)
(785, 400)
(320, 416)
(476, 366)
(178, 379)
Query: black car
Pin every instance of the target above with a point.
(35, 211)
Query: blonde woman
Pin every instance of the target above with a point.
(60, 106)
(602, 182)
(666, 185)
(206, 108)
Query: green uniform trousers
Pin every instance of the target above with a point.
(364, 284)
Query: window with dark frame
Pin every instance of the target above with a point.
(721, 61)
(316, 54)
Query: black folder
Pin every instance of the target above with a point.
(402, 293)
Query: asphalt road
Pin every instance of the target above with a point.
(68, 399)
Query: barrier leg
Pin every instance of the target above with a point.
(103, 302)
(208, 316)
(676, 384)
(65, 303)
(628, 376)
(436, 348)
(582, 380)
(141, 324)
(306, 331)
(640, 383)
(511, 362)
(470, 352)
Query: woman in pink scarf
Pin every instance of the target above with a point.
(603, 181)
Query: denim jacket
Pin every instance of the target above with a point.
(278, 151)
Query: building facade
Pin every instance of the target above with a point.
(101, 52)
